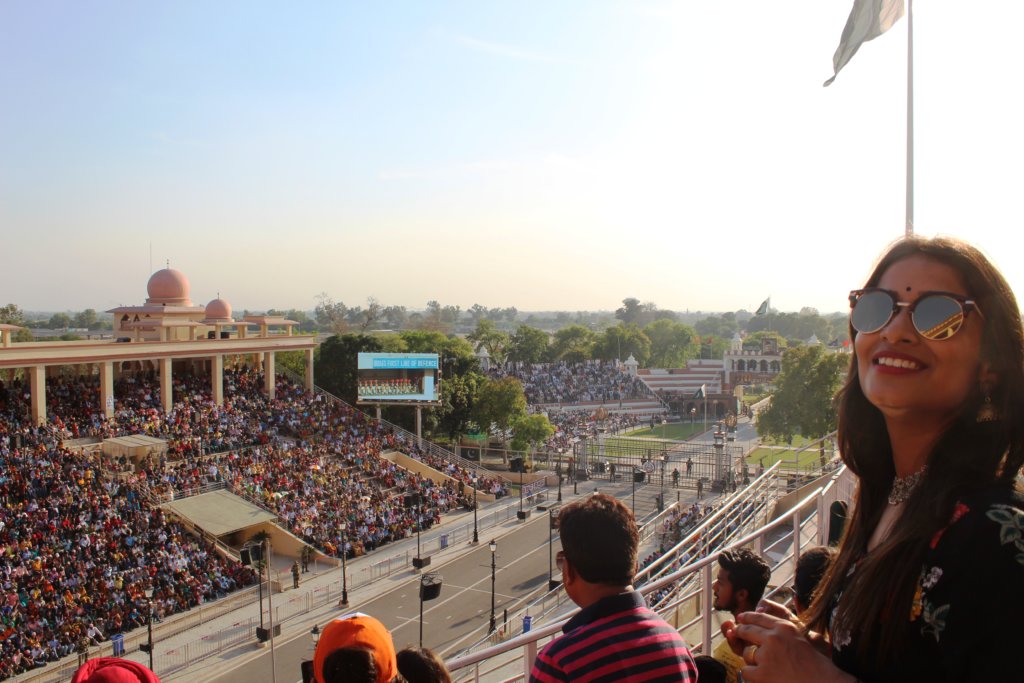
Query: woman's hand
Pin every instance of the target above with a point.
(777, 651)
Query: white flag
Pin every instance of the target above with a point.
(868, 20)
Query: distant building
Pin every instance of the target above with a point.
(752, 366)
(167, 334)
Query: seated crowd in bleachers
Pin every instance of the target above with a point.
(573, 425)
(564, 382)
(314, 463)
(80, 548)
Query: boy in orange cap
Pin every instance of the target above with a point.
(355, 649)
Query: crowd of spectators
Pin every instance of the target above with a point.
(573, 425)
(80, 544)
(564, 382)
(78, 551)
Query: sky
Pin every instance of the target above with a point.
(555, 155)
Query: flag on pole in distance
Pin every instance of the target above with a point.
(763, 308)
(701, 392)
(868, 20)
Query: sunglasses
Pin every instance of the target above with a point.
(935, 315)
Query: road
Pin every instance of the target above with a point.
(465, 602)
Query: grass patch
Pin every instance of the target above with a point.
(677, 431)
(772, 452)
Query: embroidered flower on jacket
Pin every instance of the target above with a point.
(931, 578)
(934, 619)
(1011, 527)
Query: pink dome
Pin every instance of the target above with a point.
(218, 309)
(168, 286)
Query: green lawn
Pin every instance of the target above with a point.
(772, 452)
(677, 431)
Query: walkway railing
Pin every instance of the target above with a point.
(690, 612)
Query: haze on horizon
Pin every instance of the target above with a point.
(547, 156)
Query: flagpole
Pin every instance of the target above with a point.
(910, 119)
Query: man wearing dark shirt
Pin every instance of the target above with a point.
(614, 637)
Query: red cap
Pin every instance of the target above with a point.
(113, 670)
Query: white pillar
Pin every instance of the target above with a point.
(309, 370)
(107, 389)
(217, 379)
(166, 385)
(37, 379)
(268, 373)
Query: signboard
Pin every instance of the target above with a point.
(397, 377)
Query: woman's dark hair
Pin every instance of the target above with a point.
(422, 665)
(968, 457)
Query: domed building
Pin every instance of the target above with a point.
(167, 334)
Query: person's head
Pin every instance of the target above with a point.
(809, 569)
(599, 544)
(710, 670)
(742, 578)
(936, 360)
(421, 665)
(113, 670)
(355, 649)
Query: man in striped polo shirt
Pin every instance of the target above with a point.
(614, 637)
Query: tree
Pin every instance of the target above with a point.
(396, 316)
(803, 399)
(530, 430)
(723, 325)
(672, 343)
(572, 343)
(630, 311)
(11, 315)
(59, 321)
(85, 319)
(336, 368)
(433, 318)
(331, 316)
(487, 336)
(371, 314)
(499, 402)
(458, 401)
(528, 345)
(456, 353)
(477, 313)
(620, 341)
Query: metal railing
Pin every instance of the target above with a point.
(689, 612)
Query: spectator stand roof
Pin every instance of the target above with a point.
(220, 512)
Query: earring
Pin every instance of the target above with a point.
(987, 412)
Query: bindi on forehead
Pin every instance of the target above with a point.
(909, 288)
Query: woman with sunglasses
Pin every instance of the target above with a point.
(928, 584)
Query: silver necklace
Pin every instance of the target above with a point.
(902, 487)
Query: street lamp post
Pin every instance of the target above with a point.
(344, 577)
(476, 533)
(149, 624)
(634, 489)
(494, 548)
(558, 470)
